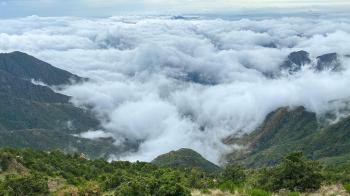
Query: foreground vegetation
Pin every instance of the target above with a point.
(28, 172)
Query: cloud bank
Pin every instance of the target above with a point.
(168, 84)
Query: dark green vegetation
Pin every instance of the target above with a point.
(93, 177)
(55, 173)
(286, 130)
(35, 116)
(185, 158)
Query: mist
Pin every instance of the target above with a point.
(169, 84)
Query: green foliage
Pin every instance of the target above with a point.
(293, 194)
(28, 172)
(90, 188)
(206, 191)
(5, 160)
(234, 173)
(258, 192)
(173, 189)
(228, 186)
(132, 188)
(198, 179)
(294, 173)
(93, 177)
(24, 185)
(347, 188)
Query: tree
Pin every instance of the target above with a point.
(132, 188)
(234, 173)
(173, 189)
(296, 173)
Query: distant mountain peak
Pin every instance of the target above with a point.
(328, 61)
(295, 61)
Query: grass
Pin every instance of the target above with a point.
(228, 187)
(347, 188)
(258, 192)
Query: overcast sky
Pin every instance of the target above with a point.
(17, 8)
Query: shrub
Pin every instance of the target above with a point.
(228, 186)
(234, 173)
(295, 173)
(112, 181)
(90, 188)
(24, 185)
(133, 188)
(5, 160)
(173, 189)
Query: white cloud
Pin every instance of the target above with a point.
(185, 83)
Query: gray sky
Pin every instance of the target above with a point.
(16, 8)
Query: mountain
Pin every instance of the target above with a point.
(329, 61)
(17, 87)
(28, 67)
(35, 116)
(185, 158)
(295, 61)
(293, 129)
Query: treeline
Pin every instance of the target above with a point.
(28, 172)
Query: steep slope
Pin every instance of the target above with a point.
(37, 117)
(27, 67)
(16, 87)
(185, 158)
(286, 130)
(18, 113)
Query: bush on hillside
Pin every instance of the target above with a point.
(294, 173)
(24, 185)
(173, 189)
(234, 173)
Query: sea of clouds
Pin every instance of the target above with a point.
(168, 84)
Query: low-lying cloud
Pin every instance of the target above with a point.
(169, 84)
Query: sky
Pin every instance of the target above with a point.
(101, 8)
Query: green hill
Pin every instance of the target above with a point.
(286, 130)
(185, 158)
